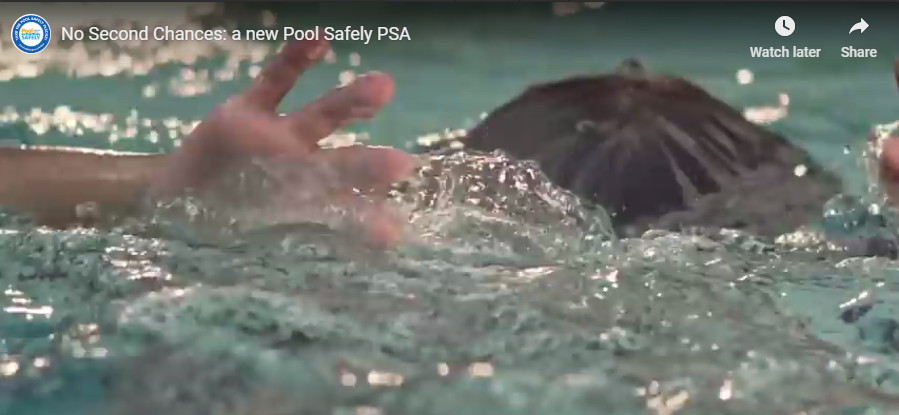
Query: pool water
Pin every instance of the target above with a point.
(508, 297)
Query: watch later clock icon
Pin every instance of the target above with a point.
(784, 26)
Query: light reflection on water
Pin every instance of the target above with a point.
(544, 313)
(510, 303)
(84, 59)
(239, 61)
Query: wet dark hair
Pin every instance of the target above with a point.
(659, 151)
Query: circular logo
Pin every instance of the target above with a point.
(31, 33)
(784, 26)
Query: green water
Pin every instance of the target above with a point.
(512, 299)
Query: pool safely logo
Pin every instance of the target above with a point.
(31, 33)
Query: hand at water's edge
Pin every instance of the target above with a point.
(889, 169)
(248, 126)
(889, 158)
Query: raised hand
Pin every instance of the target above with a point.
(248, 126)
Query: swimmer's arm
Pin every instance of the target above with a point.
(49, 183)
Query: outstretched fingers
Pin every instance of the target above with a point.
(367, 169)
(363, 175)
(280, 74)
(361, 99)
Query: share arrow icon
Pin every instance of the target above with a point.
(860, 26)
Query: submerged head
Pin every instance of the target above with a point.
(658, 150)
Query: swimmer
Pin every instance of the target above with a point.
(661, 182)
(50, 183)
(658, 151)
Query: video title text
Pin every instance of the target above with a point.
(166, 33)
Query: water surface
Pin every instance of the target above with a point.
(510, 298)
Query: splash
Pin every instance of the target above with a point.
(514, 298)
